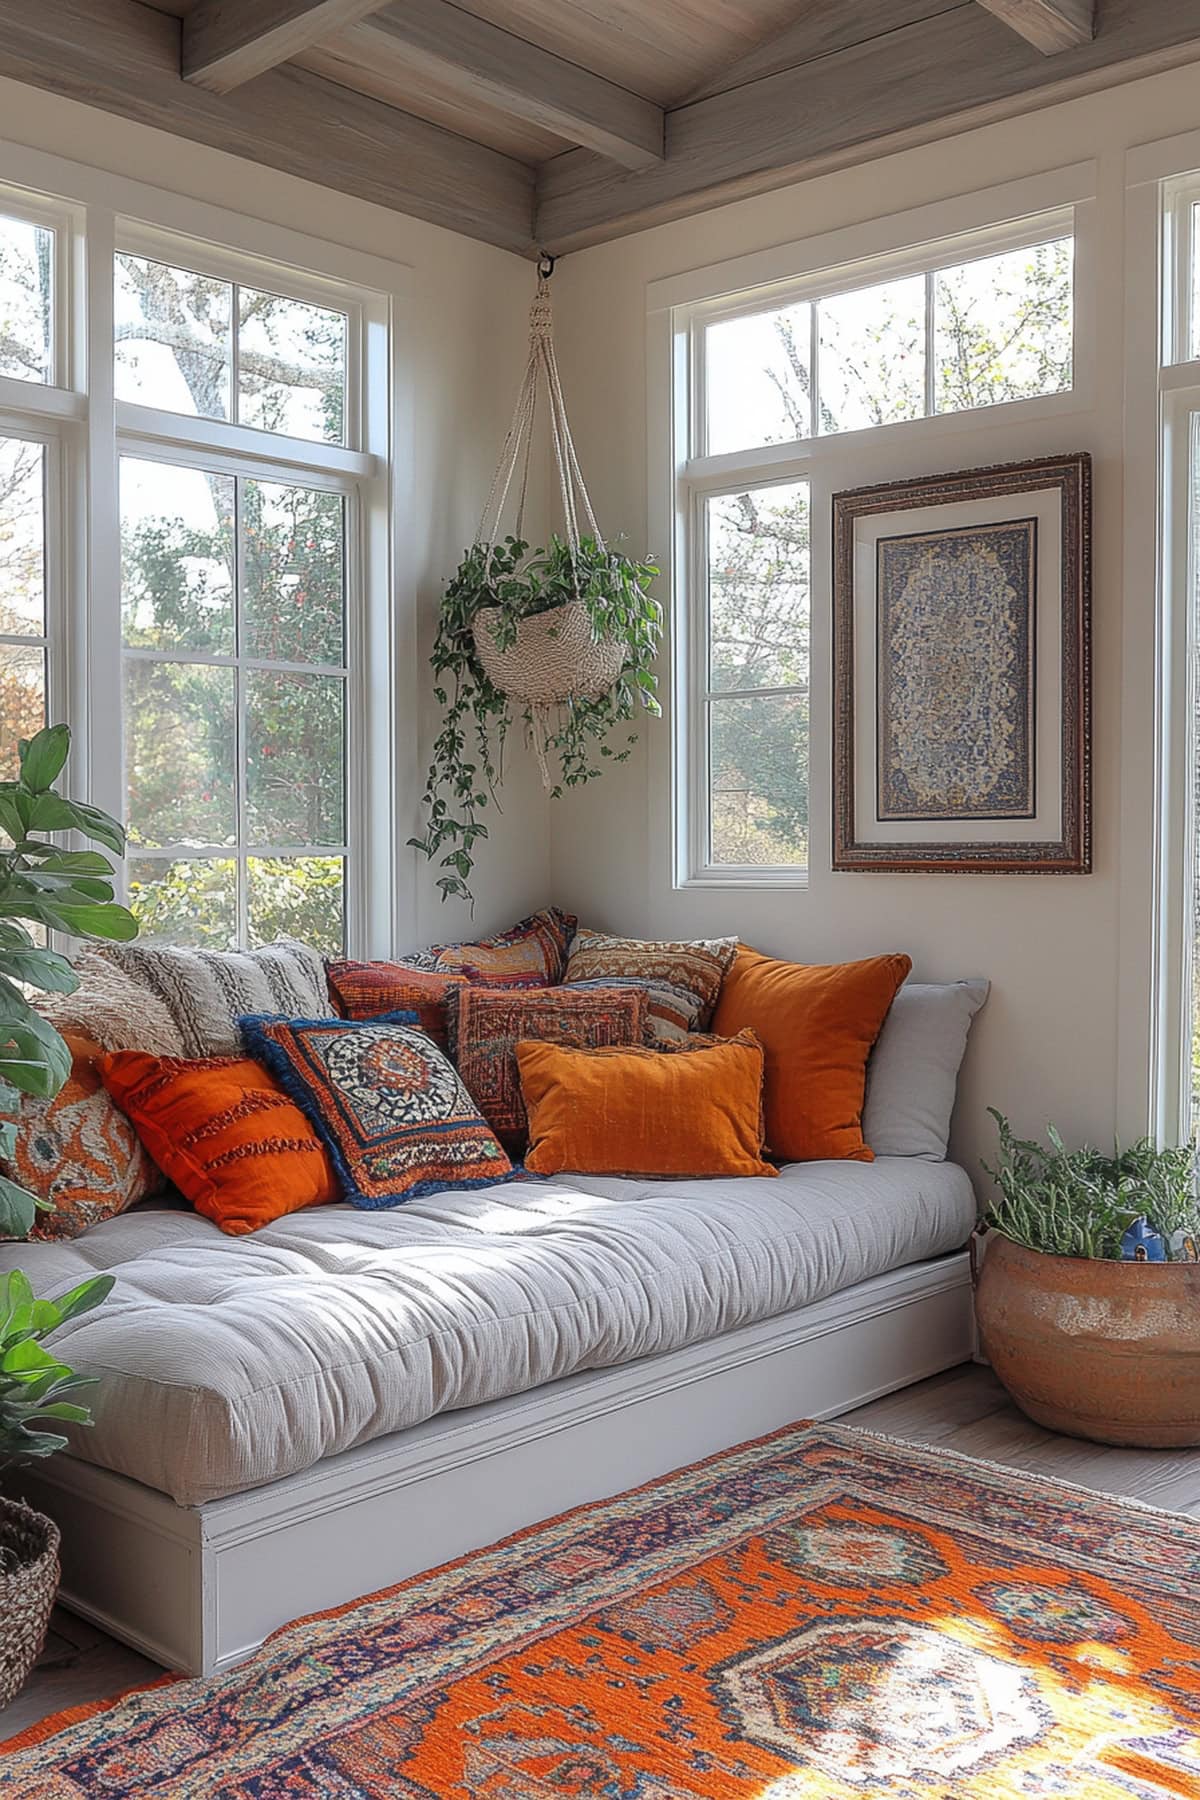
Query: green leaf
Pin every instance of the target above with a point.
(101, 828)
(68, 862)
(83, 1298)
(50, 812)
(66, 1409)
(43, 758)
(44, 969)
(36, 1443)
(30, 1357)
(16, 1303)
(11, 820)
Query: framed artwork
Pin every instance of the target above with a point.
(962, 672)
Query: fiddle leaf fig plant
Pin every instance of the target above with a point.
(34, 1381)
(468, 754)
(54, 889)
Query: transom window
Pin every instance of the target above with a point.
(781, 385)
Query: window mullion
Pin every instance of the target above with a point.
(242, 867)
(97, 675)
(235, 327)
(930, 341)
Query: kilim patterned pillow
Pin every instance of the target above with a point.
(79, 1151)
(532, 953)
(683, 980)
(395, 1117)
(367, 990)
(487, 1024)
(207, 991)
(223, 1130)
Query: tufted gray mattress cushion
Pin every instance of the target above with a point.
(230, 1362)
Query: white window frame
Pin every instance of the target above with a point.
(683, 475)
(95, 213)
(1163, 435)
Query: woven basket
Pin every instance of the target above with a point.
(555, 657)
(28, 1584)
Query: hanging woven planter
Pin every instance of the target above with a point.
(564, 637)
(556, 656)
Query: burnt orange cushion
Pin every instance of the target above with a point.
(637, 1112)
(225, 1133)
(817, 1024)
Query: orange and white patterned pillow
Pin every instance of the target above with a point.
(682, 980)
(79, 1152)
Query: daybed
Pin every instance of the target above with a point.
(291, 1419)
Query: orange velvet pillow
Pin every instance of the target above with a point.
(817, 1024)
(225, 1133)
(638, 1112)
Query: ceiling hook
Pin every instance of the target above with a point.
(546, 264)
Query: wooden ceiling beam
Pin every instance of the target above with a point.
(226, 42)
(485, 66)
(1049, 25)
(924, 82)
(124, 58)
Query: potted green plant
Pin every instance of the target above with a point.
(565, 637)
(1088, 1300)
(54, 890)
(34, 1388)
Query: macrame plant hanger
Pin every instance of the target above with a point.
(556, 657)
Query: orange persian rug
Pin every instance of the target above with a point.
(823, 1614)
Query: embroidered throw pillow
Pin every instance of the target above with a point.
(636, 1112)
(533, 953)
(817, 1024)
(207, 991)
(368, 990)
(393, 1113)
(487, 1024)
(78, 1151)
(223, 1130)
(682, 980)
(113, 1009)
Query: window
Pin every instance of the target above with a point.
(191, 343)
(23, 625)
(975, 333)
(778, 381)
(1178, 1014)
(232, 586)
(756, 687)
(237, 684)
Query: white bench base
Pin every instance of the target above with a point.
(199, 1588)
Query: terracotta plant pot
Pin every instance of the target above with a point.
(1102, 1350)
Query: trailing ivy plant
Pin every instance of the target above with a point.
(43, 885)
(1081, 1202)
(468, 754)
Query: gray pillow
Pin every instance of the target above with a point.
(207, 991)
(912, 1074)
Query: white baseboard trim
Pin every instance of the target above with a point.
(198, 1588)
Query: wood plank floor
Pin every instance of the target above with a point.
(965, 1410)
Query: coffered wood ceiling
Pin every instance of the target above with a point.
(560, 123)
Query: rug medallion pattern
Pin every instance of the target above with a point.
(823, 1615)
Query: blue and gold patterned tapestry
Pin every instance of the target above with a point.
(955, 673)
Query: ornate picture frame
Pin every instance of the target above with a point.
(962, 672)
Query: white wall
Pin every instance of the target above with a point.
(1049, 1044)
(463, 354)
